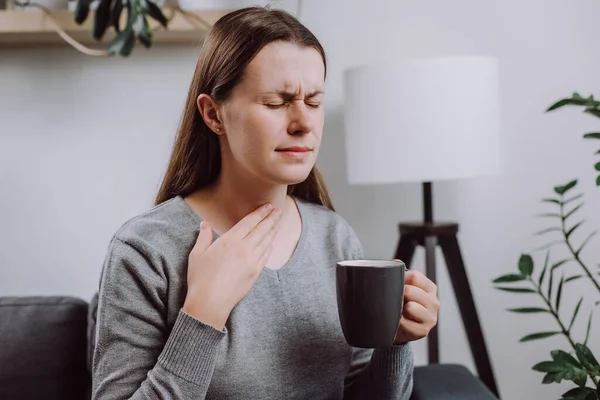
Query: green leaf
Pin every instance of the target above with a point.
(570, 231)
(561, 103)
(561, 262)
(555, 201)
(589, 326)
(573, 278)
(142, 30)
(593, 111)
(546, 366)
(529, 310)
(562, 367)
(563, 357)
(552, 377)
(559, 292)
(592, 135)
(509, 278)
(571, 368)
(82, 10)
(586, 358)
(539, 335)
(574, 101)
(597, 166)
(157, 14)
(123, 43)
(574, 314)
(548, 230)
(580, 195)
(561, 190)
(526, 264)
(541, 280)
(101, 19)
(567, 215)
(550, 282)
(578, 393)
(515, 290)
(115, 15)
(549, 215)
(598, 180)
(585, 242)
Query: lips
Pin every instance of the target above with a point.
(295, 149)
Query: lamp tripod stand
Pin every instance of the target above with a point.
(429, 235)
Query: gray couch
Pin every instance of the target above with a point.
(45, 354)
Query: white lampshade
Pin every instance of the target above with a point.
(422, 120)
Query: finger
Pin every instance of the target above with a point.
(416, 294)
(266, 254)
(264, 228)
(205, 236)
(413, 330)
(266, 244)
(250, 221)
(416, 312)
(416, 278)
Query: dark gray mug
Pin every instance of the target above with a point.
(370, 298)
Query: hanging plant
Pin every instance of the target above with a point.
(136, 26)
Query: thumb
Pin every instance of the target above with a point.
(205, 236)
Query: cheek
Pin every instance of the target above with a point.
(254, 132)
(318, 122)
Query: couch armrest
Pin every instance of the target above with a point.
(43, 348)
(448, 382)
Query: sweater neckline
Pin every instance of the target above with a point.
(297, 255)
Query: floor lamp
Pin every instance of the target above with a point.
(427, 120)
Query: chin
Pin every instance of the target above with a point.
(290, 176)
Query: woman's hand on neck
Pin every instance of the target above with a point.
(230, 199)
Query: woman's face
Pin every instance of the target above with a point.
(273, 121)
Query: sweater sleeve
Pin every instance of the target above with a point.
(383, 373)
(137, 355)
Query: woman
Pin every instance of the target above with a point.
(226, 289)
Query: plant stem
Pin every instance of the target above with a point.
(562, 326)
(573, 252)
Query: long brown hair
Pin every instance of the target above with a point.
(229, 46)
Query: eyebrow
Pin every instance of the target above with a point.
(289, 95)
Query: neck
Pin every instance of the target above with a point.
(238, 194)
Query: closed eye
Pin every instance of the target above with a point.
(275, 105)
(280, 105)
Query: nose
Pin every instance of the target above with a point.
(300, 119)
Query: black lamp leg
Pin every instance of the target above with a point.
(427, 203)
(430, 243)
(429, 235)
(464, 298)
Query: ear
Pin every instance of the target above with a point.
(209, 109)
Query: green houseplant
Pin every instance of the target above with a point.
(576, 364)
(108, 15)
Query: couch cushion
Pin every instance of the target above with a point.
(448, 382)
(43, 348)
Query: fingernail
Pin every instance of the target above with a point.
(203, 225)
(268, 206)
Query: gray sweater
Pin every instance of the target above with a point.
(283, 341)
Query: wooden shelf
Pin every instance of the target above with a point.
(34, 28)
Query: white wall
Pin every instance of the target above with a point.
(84, 141)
